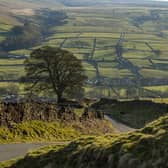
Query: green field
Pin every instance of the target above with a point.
(92, 34)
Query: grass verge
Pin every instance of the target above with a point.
(38, 131)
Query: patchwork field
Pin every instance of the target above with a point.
(119, 46)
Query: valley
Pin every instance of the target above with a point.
(83, 84)
(119, 54)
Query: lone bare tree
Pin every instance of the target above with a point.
(54, 69)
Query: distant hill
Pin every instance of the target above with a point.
(33, 4)
(72, 3)
(96, 2)
(105, 2)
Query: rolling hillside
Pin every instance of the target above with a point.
(104, 2)
(75, 3)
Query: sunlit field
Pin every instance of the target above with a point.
(92, 34)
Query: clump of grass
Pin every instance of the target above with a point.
(55, 131)
(38, 131)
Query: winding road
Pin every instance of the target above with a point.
(119, 127)
(10, 151)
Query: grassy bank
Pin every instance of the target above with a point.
(142, 149)
(37, 131)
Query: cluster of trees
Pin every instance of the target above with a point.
(21, 37)
(32, 32)
(139, 20)
(48, 18)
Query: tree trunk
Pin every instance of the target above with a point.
(59, 98)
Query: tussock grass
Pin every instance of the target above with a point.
(37, 131)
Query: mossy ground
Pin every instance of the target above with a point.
(145, 148)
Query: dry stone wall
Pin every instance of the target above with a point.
(20, 112)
